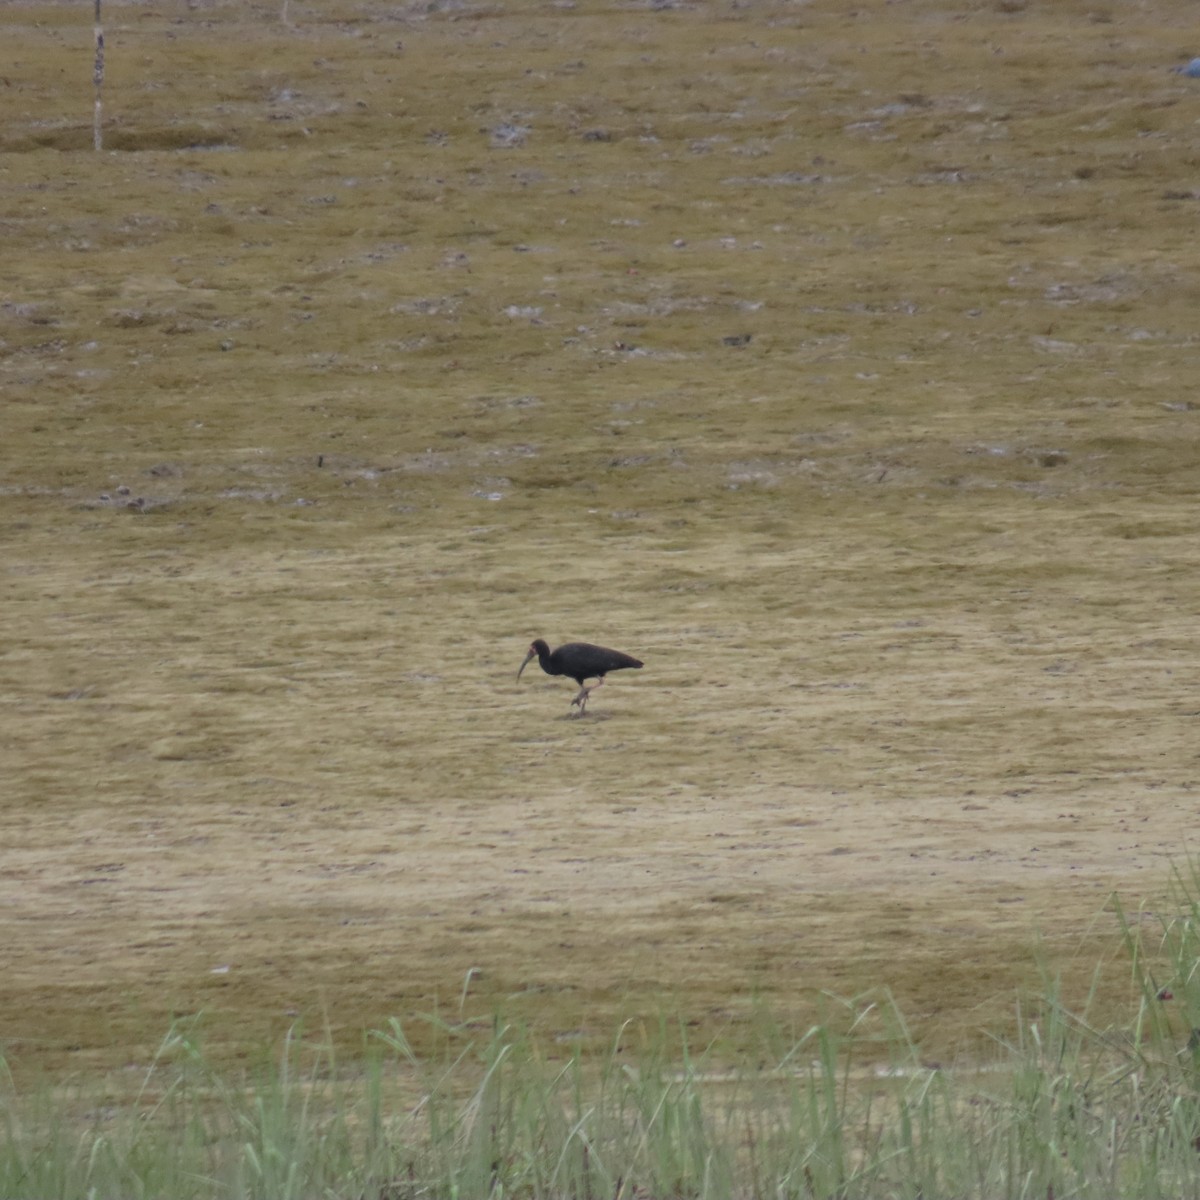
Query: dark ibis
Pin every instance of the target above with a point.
(579, 661)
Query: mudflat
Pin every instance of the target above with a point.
(838, 362)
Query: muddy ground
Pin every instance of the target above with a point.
(838, 361)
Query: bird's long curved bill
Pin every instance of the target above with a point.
(528, 659)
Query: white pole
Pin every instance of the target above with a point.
(98, 80)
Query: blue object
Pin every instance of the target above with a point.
(1192, 70)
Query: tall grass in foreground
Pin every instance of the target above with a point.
(1064, 1109)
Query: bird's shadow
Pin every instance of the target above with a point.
(586, 717)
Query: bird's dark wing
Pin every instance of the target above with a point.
(593, 660)
(620, 659)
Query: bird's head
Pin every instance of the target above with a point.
(536, 650)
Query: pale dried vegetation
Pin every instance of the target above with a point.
(838, 361)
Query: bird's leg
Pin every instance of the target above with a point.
(584, 692)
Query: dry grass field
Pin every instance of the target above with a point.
(838, 360)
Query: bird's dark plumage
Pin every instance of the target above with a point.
(578, 661)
